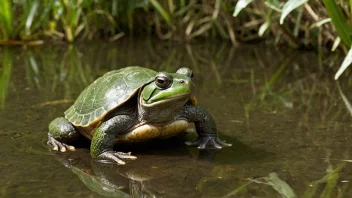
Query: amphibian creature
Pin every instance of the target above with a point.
(133, 104)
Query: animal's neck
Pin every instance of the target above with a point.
(160, 113)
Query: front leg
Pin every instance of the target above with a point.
(205, 126)
(104, 139)
(61, 134)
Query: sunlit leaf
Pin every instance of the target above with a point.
(240, 5)
(31, 15)
(339, 21)
(289, 7)
(320, 23)
(266, 24)
(263, 28)
(336, 44)
(346, 62)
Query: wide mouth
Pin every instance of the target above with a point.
(167, 99)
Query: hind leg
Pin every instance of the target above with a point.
(61, 132)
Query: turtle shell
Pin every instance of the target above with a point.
(107, 93)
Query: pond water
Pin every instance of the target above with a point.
(288, 120)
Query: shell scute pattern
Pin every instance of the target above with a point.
(106, 93)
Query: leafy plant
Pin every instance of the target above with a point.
(299, 23)
(343, 29)
(335, 14)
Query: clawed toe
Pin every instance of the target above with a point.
(116, 156)
(59, 146)
(125, 155)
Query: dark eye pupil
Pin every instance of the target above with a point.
(161, 81)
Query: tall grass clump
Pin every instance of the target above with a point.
(62, 19)
(298, 23)
(89, 19)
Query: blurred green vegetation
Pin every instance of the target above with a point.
(321, 25)
(298, 23)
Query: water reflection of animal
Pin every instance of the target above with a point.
(178, 171)
(150, 176)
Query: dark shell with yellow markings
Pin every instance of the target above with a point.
(106, 94)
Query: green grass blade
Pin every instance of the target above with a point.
(320, 23)
(346, 62)
(161, 10)
(31, 15)
(266, 24)
(298, 21)
(350, 6)
(339, 21)
(263, 28)
(289, 7)
(6, 18)
(240, 5)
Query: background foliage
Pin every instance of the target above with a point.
(297, 23)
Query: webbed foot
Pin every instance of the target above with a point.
(208, 142)
(57, 145)
(116, 156)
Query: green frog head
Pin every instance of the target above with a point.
(168, 88)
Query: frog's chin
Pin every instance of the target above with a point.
(175, 99)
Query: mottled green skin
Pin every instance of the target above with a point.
(126, 99)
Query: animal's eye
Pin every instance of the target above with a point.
(162, 82)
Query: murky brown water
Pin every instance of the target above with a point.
(284, 114)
